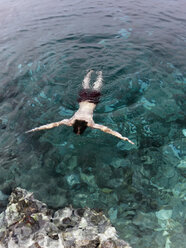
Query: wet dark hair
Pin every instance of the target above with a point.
(79, 126)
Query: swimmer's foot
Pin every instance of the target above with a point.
(89, 70)
(99, 81)
(86, 80)
(99, 73)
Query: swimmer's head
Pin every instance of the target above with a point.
(79, 126)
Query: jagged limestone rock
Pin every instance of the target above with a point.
(28, 223)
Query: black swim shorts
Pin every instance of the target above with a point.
(89, 95)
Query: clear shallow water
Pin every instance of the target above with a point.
(46, 48)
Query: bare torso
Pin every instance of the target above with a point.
(84, 113)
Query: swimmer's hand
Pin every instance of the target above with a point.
(66, 122)
(110, 131)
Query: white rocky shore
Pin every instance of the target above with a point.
(28, 223)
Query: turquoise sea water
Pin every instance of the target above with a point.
(46, 47)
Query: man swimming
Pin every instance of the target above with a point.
(83, 118)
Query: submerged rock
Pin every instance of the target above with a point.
(29, 223)
(182, 167)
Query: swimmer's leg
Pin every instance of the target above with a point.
(99, 82)
(86, 81)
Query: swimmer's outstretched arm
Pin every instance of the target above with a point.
(66, 122)
(108, 130)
